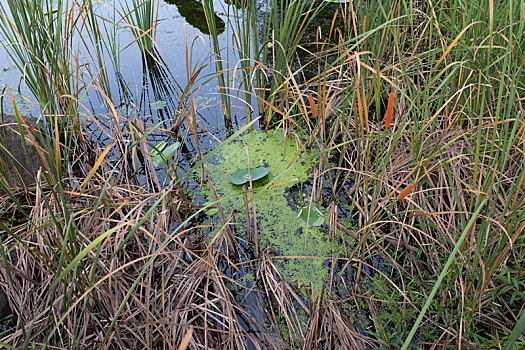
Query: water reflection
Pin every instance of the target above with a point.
(193, 13)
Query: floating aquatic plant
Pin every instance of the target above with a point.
(316, 216)
(242, 176)
(162, 152)
(158, 105)
(211, 209)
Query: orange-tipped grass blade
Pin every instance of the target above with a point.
(282, 183)
(96, 166)
(406, 191)
(389, 110)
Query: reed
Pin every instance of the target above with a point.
(423, 165)
(141, 17)
(415, 113)
(39, 33)
(223, 74)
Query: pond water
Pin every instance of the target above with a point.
(181, 30)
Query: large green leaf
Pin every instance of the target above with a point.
(242, 176)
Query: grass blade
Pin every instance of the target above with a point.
(443, 273)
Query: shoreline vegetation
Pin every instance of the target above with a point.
(407, 118)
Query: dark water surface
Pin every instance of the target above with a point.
(181, 27)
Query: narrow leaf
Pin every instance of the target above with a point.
(449, 262)
(97, 165)
(389, 110)
(186, 340)
(282, 183)
(519, 328)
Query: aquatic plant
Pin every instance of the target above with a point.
(247, 175)
(266, 208)
(161, 153)
(264, 56)
(40, 34)
(310, 215)
(222, 74)
(141, 18)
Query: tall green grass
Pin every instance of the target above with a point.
(39, 34)
(223, 73)
(457, 139)
(265, 45)
(141, 17)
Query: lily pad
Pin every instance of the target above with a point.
(162, 152)
(125, 111)
(211, 210)
(242, 176)
(157, 105)
(316, 217)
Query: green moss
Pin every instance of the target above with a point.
(278, 221)
(249, 277)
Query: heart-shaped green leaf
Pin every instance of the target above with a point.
(242, 176)
(316, 217)
(162, 153)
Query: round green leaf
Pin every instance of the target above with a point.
(316, 217)
(211, 209)
(242, 176)
(157, 105)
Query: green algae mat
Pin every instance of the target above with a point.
(301, 249)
